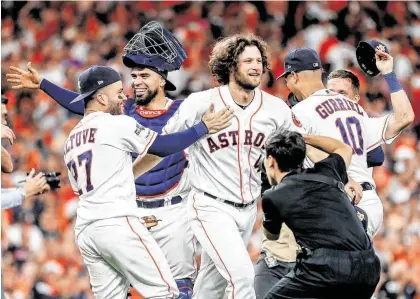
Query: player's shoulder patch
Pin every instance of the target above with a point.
(296, 121)
(138, 129)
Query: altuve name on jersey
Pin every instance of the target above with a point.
(80, 138)
(330, 106)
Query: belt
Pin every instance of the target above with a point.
(367, 186)
(233, 204)
(158, 203)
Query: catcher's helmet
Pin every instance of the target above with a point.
(365, 54)
(156, 48)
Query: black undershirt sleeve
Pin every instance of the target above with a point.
(272, 220)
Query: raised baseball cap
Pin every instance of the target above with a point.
(301, 59)
(95, 78)
(365, 54)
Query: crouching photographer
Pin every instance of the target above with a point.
(35, 184)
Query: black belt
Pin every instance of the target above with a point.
(233, 204)
(158, 203)
(367, 186)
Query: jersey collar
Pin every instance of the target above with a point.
(146, 113)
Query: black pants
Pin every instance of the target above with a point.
(266, 278)
(331, 274)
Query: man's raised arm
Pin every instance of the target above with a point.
(32, 80)
(403, 111)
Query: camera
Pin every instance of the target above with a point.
(53, 179)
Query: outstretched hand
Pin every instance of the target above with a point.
(24, 79)
(218, 121)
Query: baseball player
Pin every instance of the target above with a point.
(225, 175)
(163, 190)
(115, 245)
(325, 112)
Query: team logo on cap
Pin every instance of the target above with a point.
(315, 64)
(289, 66)
(100, 82)
(380, 48)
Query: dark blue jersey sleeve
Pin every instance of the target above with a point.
(63, 97)
(165, 145)
(375, 157)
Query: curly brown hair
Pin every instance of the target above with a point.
(225, 53)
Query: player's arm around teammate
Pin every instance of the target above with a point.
(214, 123)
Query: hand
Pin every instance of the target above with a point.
(218, 121)
(384, 62)
(354, 191)
(35, 184)
(23, 79)
(7, 133)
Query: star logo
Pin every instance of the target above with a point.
(380, 48)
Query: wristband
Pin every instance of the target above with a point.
(392, 81)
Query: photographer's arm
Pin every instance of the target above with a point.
(11, 198)
(330, 146)
(6, 161)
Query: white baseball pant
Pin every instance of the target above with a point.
(223, 232)
(120, 251)
(174, 236)
(372, 205)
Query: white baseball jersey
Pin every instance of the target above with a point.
(326, 113)
(225, 164)
(98, 157)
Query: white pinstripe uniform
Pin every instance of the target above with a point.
(327, 113)
(224, 166)
(116, 246)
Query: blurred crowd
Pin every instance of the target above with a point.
(39, 256)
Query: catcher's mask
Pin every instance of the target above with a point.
(156, 48)
(365, 53)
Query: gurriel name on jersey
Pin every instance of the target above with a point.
(333, 105)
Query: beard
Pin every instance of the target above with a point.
(146, 98)
(244, 82)
(115, 109)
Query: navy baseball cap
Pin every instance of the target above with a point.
(365, 54)
(140, 60)
(95, 78)
(301, 59)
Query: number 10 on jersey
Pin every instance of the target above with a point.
(347, 129)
